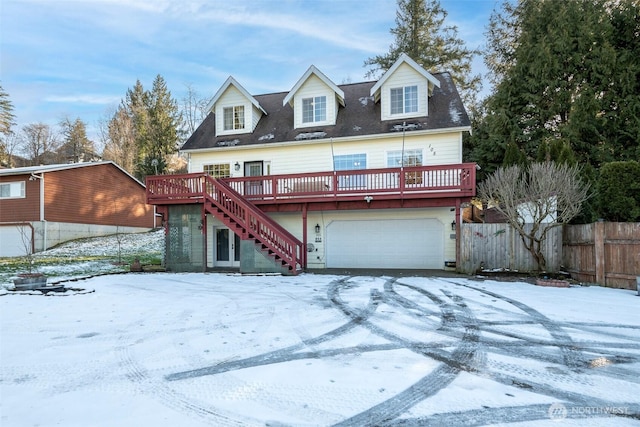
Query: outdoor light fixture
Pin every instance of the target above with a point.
(453, 224)
(317, 228)
(237, 166)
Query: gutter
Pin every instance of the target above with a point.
(327, 140)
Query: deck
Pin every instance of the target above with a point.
(432, 185)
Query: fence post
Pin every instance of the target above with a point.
(598, 243)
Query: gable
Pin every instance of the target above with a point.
(315, 100)
(360, 118)
(311, 90)
(403, 78)
(404, 90)
(235, 109)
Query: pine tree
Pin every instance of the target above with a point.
(144, 131)
(7, 120)
(76, 147)
(421, 33)
(164, 120)
(563, 71)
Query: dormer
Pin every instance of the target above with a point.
(404, 90)
(236, 111)
(315, 100)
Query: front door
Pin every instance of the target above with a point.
(227, 246)
(253, 169)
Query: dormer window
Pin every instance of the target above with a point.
(314, 109)
(404, 100)
(234, 118)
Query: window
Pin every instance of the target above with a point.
(222, 170)
(314, 109)
(348, 162)
(411, 158)
(234, 117)
(12, 190)
(404, 100)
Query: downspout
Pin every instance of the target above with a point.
(304, 236)
(402, 176)
(42, 218)
(458, 236)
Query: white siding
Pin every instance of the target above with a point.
(318, 257)
(311, 88)
(404, 76)
(233, 97)
(316, 156)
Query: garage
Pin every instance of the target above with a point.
(406, 243)
(11, 237)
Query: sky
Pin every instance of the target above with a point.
(77, 58)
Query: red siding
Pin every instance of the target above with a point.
(18, 210)
(101, 194)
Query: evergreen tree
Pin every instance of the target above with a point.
(76, 147)
(564, 72)
(164, 120)
(7, 120)
(144, 132)
(618, 191)
(421, 33)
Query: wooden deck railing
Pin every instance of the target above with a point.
(235, 209)
(410, 182)
(255, 223)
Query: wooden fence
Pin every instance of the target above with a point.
(606, 253)
(499, 247)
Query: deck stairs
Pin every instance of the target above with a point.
(250, 223)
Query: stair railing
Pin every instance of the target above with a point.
(255, 223)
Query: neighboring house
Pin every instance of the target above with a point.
(55, 203)
(364, 175)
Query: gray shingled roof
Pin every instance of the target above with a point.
(360, 116)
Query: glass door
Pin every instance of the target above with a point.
(253, 169)
(227, 246)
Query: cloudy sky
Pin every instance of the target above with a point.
(77, 58)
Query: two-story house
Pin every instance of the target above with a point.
(362, 175)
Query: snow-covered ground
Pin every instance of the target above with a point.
(315, 350)
(91, 256)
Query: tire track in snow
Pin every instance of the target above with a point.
(461, 358)
(157, 389)
(288, 353)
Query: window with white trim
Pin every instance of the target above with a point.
(314, 109)
(346, 162)
(220, 170)
(411, 158)
(233, 117)
(404, 100)
(12, 190)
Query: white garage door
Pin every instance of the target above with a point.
(408, 243)
(11, 240)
